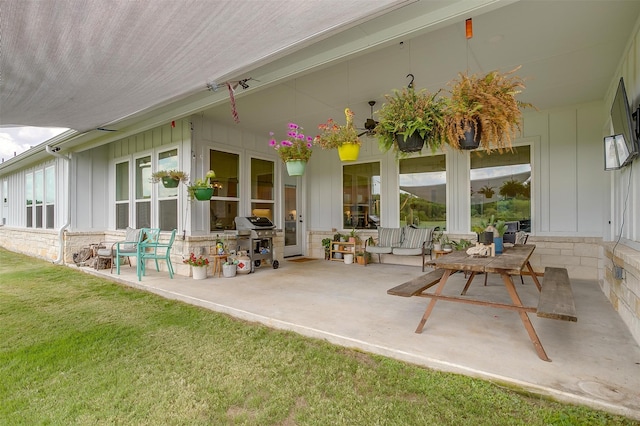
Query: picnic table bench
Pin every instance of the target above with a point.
(555, 301)
(556, 297)
(417, 285)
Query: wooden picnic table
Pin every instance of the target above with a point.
(514, 261)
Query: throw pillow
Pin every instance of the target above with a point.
(131, 235)
(389, 237)
(414, 237)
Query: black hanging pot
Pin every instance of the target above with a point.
(471, 138)
(413, 143)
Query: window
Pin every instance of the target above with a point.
(143, 192)
(5, 201)
(361, 195)
(49, 196)
(28, 185)
(262, 174)
(38, 190)
(224, 203)
(168, 197)
(501, 186)
(122, 195)
(423, 191)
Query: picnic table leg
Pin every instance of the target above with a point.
(466, 286)
(511, 288)
(533, 275)
(432, 303)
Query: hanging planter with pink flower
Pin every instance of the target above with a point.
(295, 151)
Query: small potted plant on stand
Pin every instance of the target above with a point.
(199, 266)
(202, 189)
(408, 120)
(483, 111)
(344, 138)
(326, 243)
(169, 178)
(295, 151)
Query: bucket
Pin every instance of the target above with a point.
(229, 270)
(348, 259)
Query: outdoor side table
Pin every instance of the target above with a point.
(218, 260)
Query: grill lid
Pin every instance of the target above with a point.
(253, 222)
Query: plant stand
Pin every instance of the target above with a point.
(339, 250)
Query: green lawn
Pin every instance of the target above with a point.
(77, 349)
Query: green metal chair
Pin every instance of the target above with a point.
(127, 248)
(152, 248)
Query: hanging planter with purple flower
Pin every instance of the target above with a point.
(295, 151)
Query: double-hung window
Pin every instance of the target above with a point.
(168, 197)
(224, 204)
(423, 191)
(143, 192)
(262, 185)
(361, 195)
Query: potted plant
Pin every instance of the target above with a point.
(326, 243)
(169, 178)
(202, 189)
(353, 236)
(295, 151)
(496, 230)
(437, 237)
(408, 119)
(198, 266)
(360, 258)
(344, 138)
(483, 110)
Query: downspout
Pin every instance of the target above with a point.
(55, 153)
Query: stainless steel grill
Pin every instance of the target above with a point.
(255, 235)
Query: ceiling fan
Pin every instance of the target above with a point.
(370, 124)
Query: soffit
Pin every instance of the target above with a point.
(85, 65)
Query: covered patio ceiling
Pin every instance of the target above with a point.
(125, 66)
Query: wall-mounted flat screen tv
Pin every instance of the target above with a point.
(622, 121)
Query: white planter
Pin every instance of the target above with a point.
(348, 259)
(199, 272)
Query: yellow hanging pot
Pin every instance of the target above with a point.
(349, 151)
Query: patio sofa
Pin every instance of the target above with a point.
(405, 241)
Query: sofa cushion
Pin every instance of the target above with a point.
(379, 249)
(400, 251)
(389, 237)
(415, 237)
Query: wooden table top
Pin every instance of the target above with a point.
(512, 261)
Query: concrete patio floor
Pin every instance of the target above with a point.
(595, 362)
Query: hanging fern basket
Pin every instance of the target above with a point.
(413, 143)
(471, 138)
